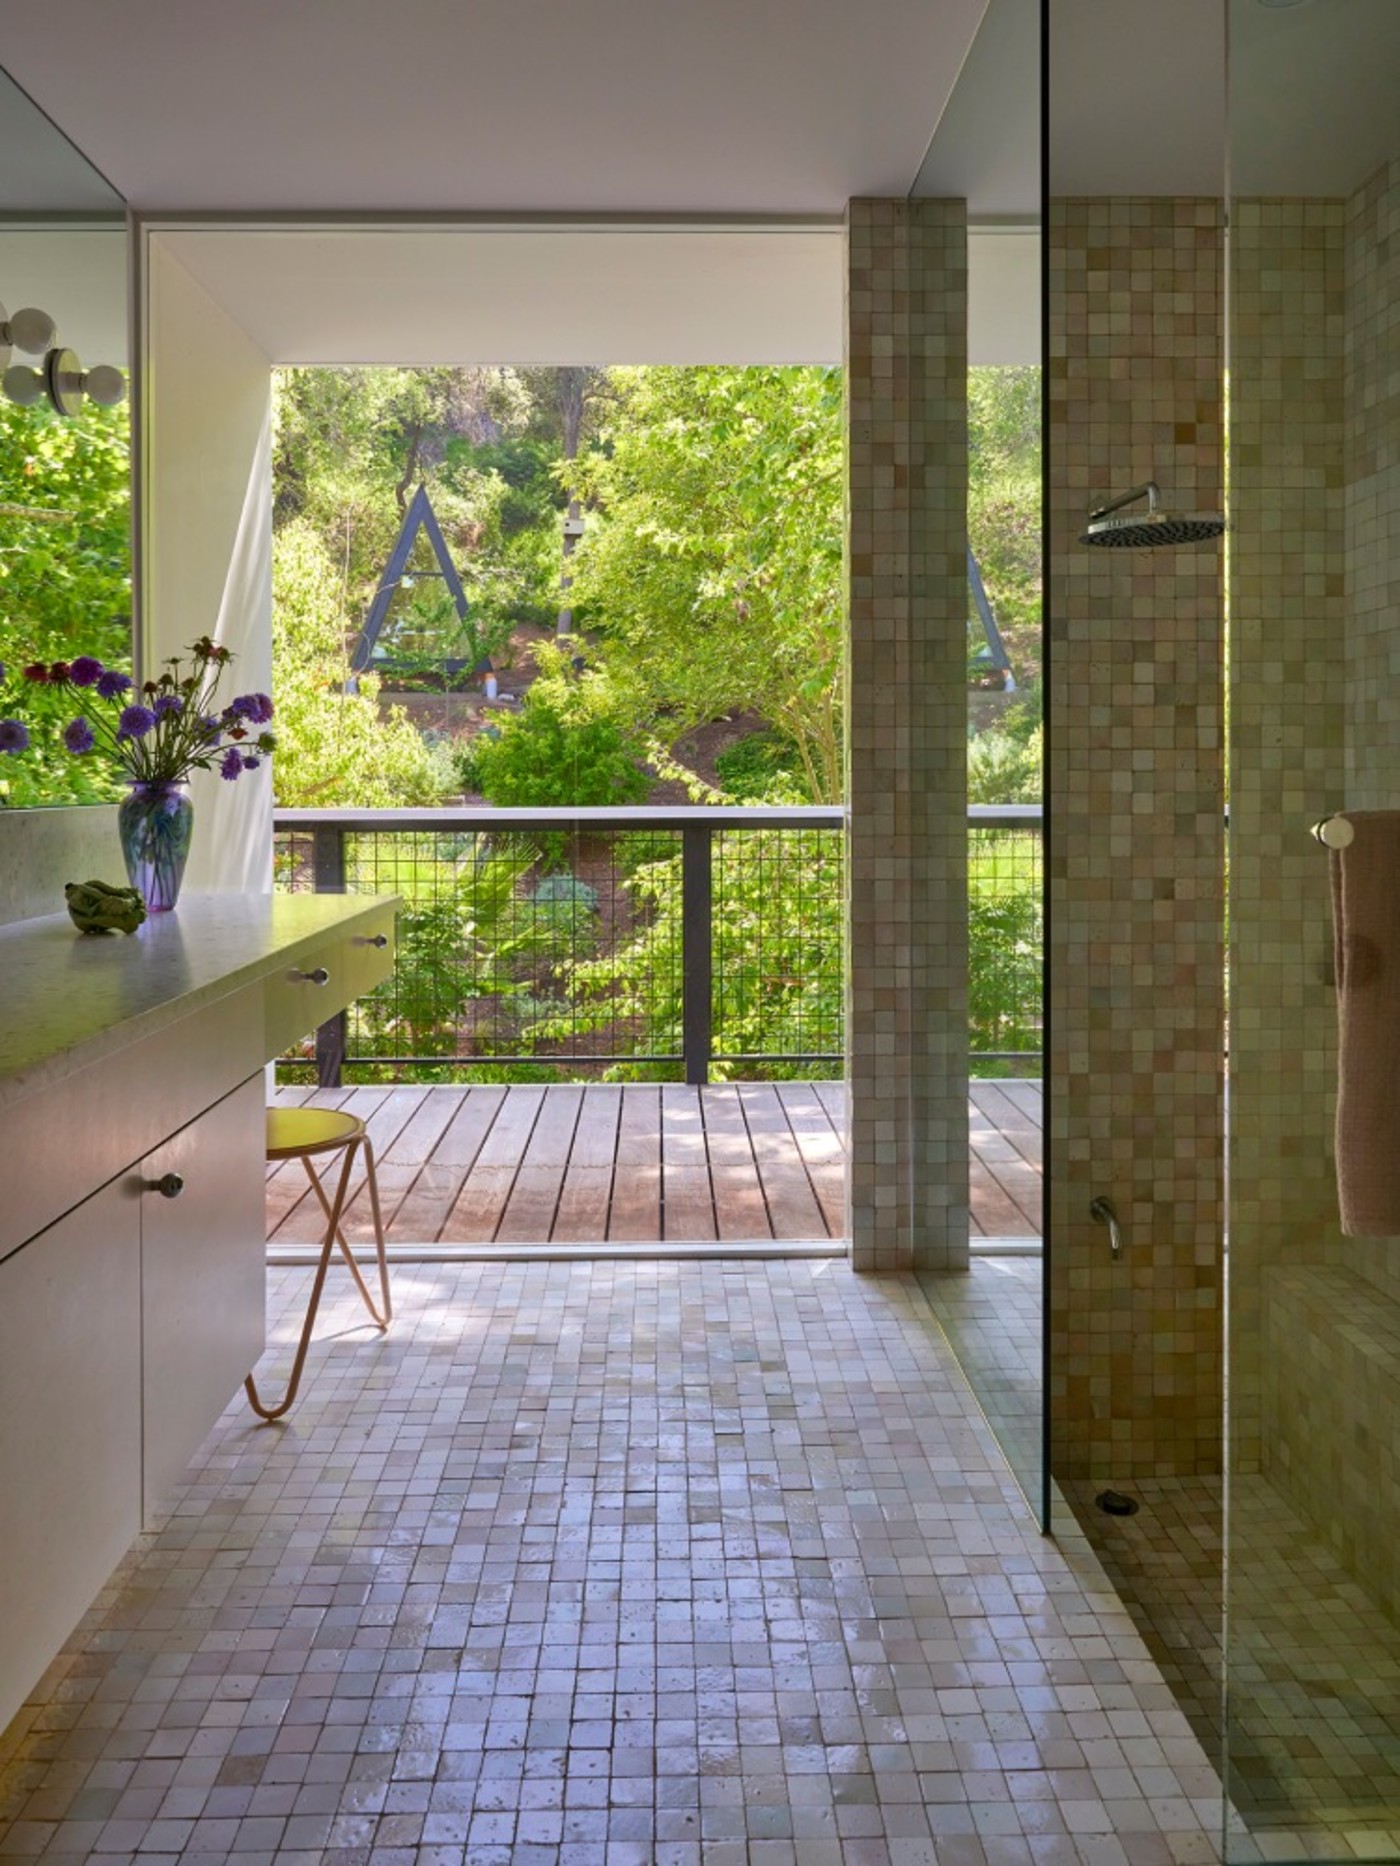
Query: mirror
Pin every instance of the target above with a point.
(65, 481)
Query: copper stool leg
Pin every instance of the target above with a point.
(334, 1236)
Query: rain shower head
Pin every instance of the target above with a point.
(1151, 528)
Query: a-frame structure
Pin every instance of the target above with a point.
(419, 516)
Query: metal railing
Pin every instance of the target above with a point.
(669, 940)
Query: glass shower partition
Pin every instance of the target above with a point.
(1312, 1524)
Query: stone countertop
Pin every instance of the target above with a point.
(67, 998)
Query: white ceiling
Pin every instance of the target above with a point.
(773, 107)
(530, 294)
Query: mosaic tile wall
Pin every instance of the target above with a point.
(1136, 844)
(906, 387)
(1287, 703)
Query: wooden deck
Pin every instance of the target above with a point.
(489, 1165)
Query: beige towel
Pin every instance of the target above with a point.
(1366, 916)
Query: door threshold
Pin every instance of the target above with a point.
(307, 1256)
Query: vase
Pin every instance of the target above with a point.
(154, 822)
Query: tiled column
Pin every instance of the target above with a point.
(1288, 678)
(906, 387)
(1136, 845)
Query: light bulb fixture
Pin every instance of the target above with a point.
(105, 385)
(30, 330)
(23, 384)
(60, 375)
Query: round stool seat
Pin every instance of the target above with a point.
(294, 1131)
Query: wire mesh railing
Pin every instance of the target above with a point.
(656, 943)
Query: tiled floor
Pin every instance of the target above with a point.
(610, 1564)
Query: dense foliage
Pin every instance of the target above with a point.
(65, 587)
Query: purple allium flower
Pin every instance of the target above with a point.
(14, 736)
(111, 683)
(231, 765)
(85, 670)
(136, 721)
(168, 703)
(78, 736)
(250, 763)
(2, 670)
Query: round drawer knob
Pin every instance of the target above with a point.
(169, 1185)
(376, 939)
(319, 977)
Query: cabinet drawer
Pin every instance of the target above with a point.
(366, 962)
(294, 1004)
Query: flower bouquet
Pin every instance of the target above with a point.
(156, 735)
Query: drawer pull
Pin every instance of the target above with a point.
(372, 939)
(169, 1185)
(319, 977)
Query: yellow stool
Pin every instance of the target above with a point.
(299, 1134)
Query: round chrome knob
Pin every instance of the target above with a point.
(319, 977)
(169, 1185)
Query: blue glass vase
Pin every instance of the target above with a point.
(155, 822)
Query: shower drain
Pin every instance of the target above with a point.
(1114, 1503)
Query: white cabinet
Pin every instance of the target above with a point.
(129, 1319)
(125, 1329)
(203, 1277)
(70, 1415)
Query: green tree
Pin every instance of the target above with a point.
(713, 572)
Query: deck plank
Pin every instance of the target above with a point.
(529, 1214)
(1009, 1120)
(479, 1206)
(635, 1214)
(463, 1137)
(586, 1194)
(741, 1211)
(793, 1211)
(414, 1143)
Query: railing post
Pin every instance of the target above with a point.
(697, 961)
(328, 877)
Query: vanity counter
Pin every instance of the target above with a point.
(70, 999)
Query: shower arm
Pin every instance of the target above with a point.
(1149, 490)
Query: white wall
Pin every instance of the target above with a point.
(205, 473)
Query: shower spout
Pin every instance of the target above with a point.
(1102, 1213)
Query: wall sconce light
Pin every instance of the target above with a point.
(60, 376)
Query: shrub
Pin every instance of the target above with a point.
(763, 768)
(546, 758)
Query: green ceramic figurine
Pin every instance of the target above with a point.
(94, 907)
